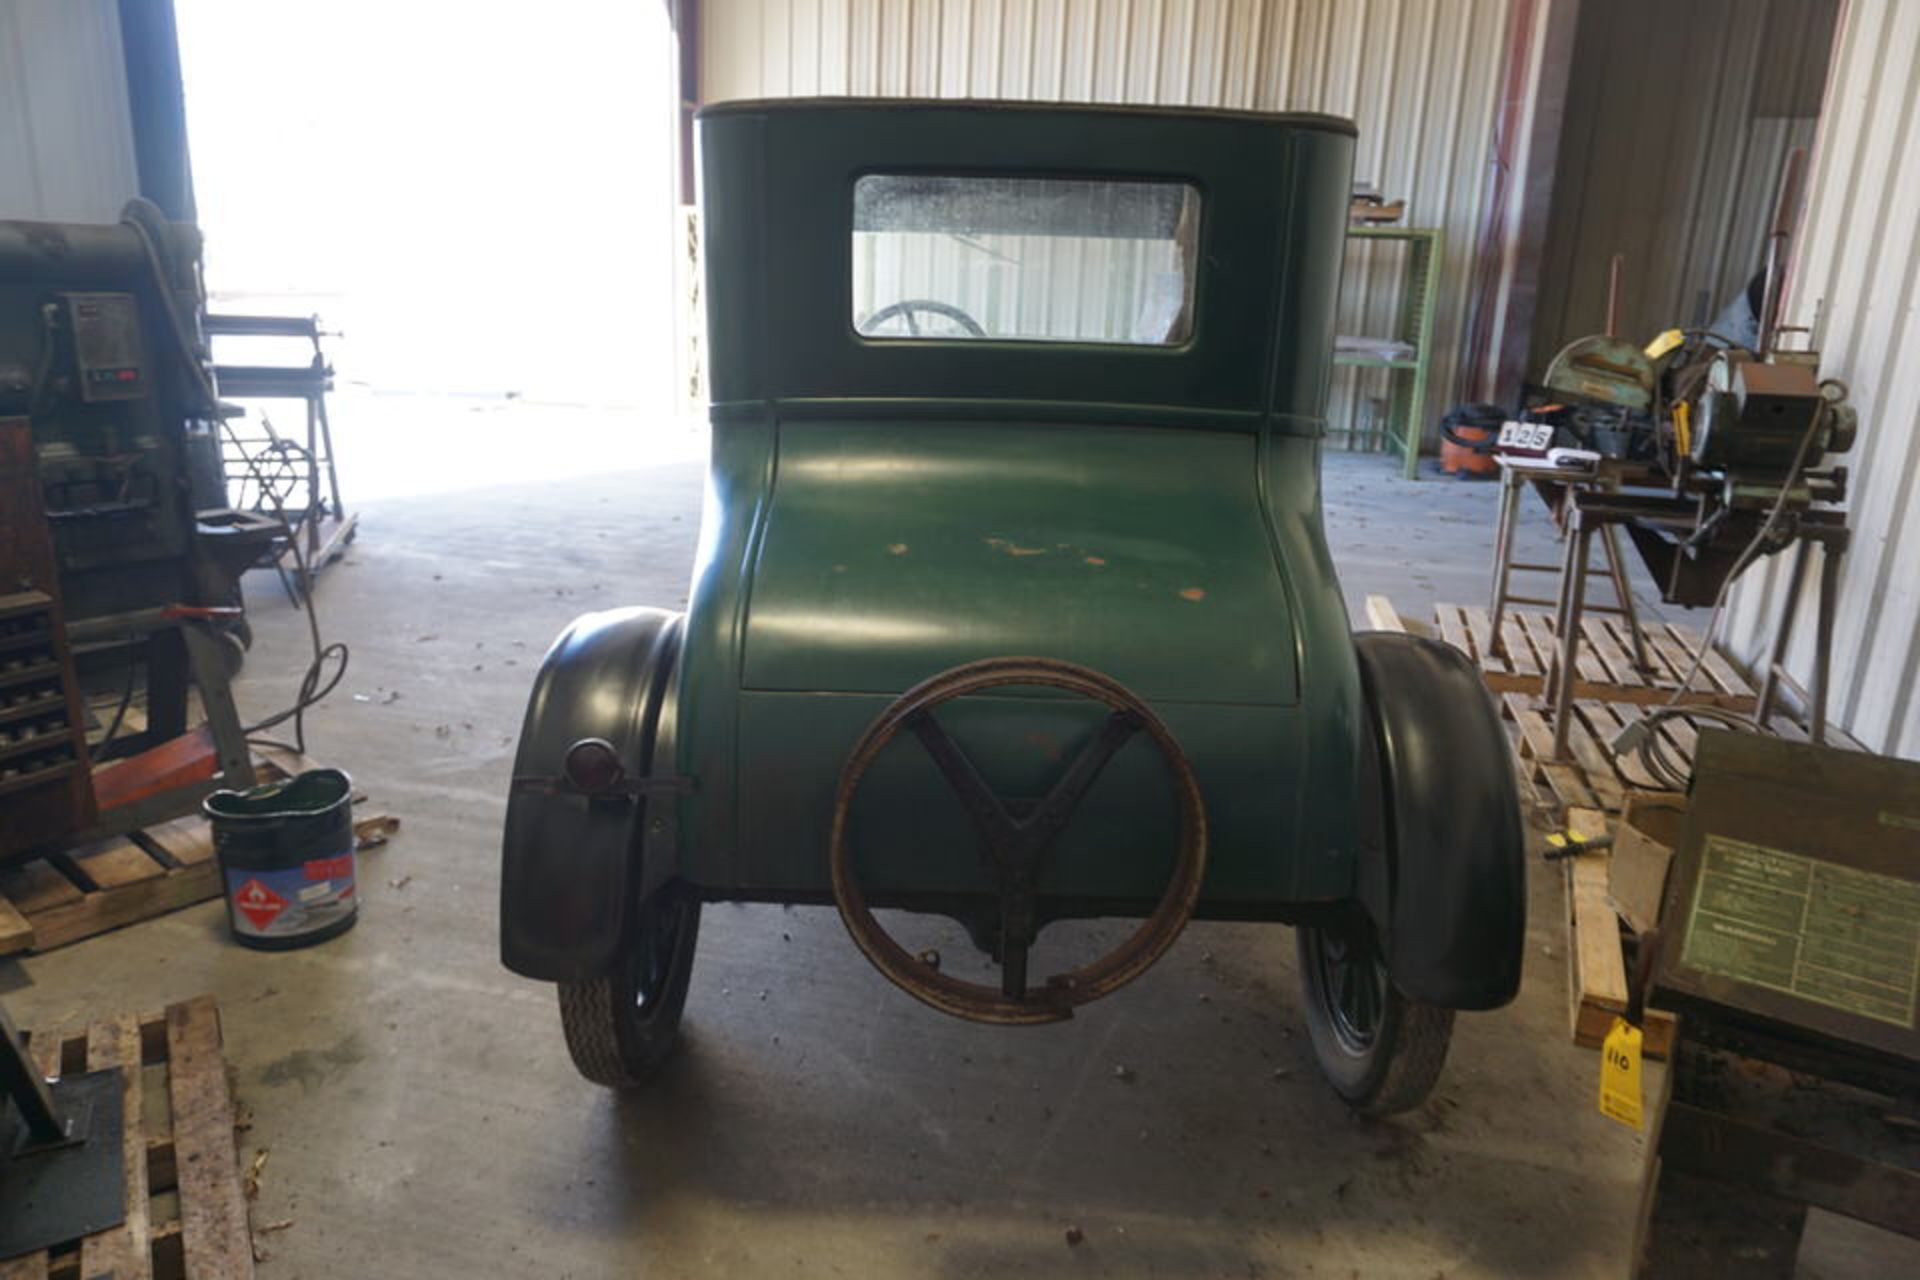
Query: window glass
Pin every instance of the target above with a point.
(1023, 259)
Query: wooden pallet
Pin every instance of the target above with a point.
(1592, 787)
(1596, 960)
(186, 1208)
(1382, 616)
(1594, 778)
(1604, 666)
(53, 901)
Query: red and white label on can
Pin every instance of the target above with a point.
(288, 902)
(259, 904)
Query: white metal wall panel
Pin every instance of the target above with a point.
(1419, 77)
(1857, 282)
(66, 137)
(1671, 155)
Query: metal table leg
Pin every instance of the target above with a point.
(1783, 635)
(1503, 554)
(1573, 592)
(1831, 556)
(1623, 595)
(22, 1082)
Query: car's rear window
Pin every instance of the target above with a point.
(1023, 259)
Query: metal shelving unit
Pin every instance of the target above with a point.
(1408, 373)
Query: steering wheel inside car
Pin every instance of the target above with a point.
(905, 309)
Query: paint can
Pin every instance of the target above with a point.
(287, 861)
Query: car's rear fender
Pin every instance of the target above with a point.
(1444, 875)
(570, 878)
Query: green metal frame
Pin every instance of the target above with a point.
(1409, 379)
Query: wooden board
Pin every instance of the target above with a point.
(1596, 965)
(1566, 781)
(186, 1207)
(1642, 854)
(1382, 616)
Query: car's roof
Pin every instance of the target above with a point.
(996, 106)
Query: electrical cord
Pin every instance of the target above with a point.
(315, 684)
(1642, 736)
(126, 701)
(312, 690)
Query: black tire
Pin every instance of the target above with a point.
(621, 1027)
(1381, 1052)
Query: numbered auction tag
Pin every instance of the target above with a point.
(1525, 437)
(1620, 1074)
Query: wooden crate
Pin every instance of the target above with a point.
(1604, 669)
(53, 901)
(186, 1207)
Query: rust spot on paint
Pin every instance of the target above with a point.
(839, 568)
(896, 549)
(1014, 548)
(1096, 561)
(1045, 743)
(1193, 593)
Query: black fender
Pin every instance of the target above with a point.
(570, 876)
(1443, 873)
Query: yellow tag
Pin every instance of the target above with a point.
(1620, 1074)
(1665, 343)
(1683, 426)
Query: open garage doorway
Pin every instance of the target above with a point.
(478, 200)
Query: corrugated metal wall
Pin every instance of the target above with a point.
(1857, 282)
(66, 138)
(1671, 154)
(1420, 77)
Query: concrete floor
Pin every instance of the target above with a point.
(423, 1119)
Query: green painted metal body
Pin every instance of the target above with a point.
(879, 511)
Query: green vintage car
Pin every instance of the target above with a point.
(1012, 603)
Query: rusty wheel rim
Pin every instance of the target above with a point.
(1056, 998)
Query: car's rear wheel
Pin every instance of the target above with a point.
(621, 1027)
(1380, 1051)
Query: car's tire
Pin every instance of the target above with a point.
(622, 1026)
(1381, 1052)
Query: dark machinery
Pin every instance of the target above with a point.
(62, 1174)
(1738, 465)
(1013, 603)
(1744, 437)
(1789, 944)
(119, 564)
